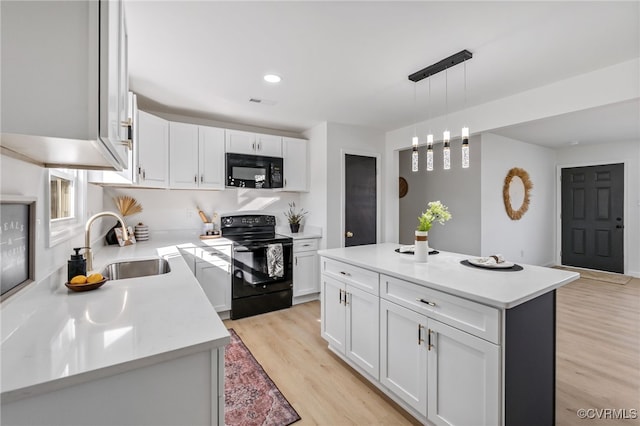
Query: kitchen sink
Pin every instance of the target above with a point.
(136, 268)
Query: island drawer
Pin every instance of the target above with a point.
(305, 245)
(362, 278)
(475, 318)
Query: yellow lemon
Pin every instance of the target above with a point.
(94, 278)
(78, 279)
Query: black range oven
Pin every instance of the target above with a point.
(262, 278)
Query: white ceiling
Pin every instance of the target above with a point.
(348, 62)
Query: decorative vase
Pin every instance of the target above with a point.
(295, 227)
(111, 237)
(421, 247)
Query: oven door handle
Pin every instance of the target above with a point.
(247, 249)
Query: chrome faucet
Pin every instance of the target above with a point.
(87, 235)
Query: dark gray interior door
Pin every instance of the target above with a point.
(592, 217)
(360, 200)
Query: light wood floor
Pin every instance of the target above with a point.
(598, 360)
(597, 350)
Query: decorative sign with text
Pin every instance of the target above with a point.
(16, 244)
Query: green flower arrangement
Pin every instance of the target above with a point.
(294, 216)
(436, 212)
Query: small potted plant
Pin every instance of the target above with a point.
(436, 212)
(294, 216)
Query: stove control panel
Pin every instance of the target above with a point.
(247, 220)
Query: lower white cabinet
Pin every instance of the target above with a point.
(350, 318)
(463, 378)
(305, 267)
(403, 354)
(212, 269)
(213, 272)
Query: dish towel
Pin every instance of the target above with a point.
(275, 261)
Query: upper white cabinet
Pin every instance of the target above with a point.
(65, 82)
(196, 156)
(296, 164)
(240, 142)
(153, 151)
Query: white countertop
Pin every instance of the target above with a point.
(53, 338)
(444, 272)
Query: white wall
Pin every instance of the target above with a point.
(165, 209)
(457, 188)
(26, 179)
(609, 153)
(343, 138)
(530, 239)
(315, 201)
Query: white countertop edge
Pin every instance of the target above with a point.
(111, 370)
(475, 297)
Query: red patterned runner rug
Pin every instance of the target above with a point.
(250, 396)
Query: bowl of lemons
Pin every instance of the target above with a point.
(86, 283)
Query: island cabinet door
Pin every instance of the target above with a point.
(333, 313)
(403, 354)
(363, 335)
(463, 378)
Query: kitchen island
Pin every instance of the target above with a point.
(146, 350)
(452, 344)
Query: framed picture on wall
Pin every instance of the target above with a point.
(17, 243)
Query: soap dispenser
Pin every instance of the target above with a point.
(77, 265)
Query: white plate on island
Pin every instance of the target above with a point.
(483, 263)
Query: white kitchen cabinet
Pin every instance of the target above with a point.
(296, 164)
(305, 267)
(70, 114)
(183, 155)
(153, 151)
(213, 272)
(350, 321)
(211, 157)
(463, 378)
(241, 142)
(196, 156)
(403, 354)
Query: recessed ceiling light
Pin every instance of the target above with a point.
(272, 78)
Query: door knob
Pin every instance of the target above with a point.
(348, 234)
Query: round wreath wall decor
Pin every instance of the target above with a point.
(516, 192)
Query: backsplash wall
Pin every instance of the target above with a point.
(165, 209)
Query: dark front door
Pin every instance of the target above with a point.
(360, 200)
(592, 217)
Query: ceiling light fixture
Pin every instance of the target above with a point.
(444, 65)
(272, 78)
(414, 140)
(429, 135)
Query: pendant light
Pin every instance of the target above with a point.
(443, 65)
(430, 135)
(446, 135)
(414, 140)
(465, 129)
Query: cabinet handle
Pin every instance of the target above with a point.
(429, 345)
(195, 178)
(306, 245)
(420, 339)
(259, 146)
(253, 146)
(346, 274)
(296, 260)
(144, 174)
(425, 302)
(127, 143)
(201, 178)
(341, 296)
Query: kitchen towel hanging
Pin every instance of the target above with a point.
(275, 261)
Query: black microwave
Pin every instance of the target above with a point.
(254, 171)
